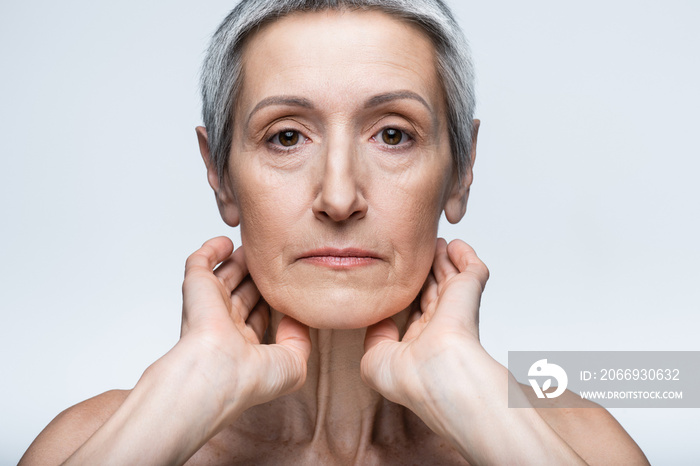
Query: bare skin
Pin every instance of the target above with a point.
(336, 419)
(406, 381)
(265, 434)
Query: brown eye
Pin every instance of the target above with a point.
(392, 136)
(289, 138)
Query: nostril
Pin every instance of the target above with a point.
(340, 206)
(340, 192)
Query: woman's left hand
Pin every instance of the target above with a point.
(440, 371)
(444, 330)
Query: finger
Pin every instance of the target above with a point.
(414, 317)
(259, 319)
(381, 331)
(233, 270)
(458, 307)
(443, 268)
(413, 326)
(429, 294)
(244, 299)
(211, 253)
(465, 259)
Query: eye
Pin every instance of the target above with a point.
(392, 136)
(287, 138)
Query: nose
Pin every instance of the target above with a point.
(340, 195)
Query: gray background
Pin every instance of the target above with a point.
(584, 206)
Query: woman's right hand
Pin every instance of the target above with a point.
(225, 319)
(217, 370)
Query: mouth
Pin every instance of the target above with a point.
(340, 258)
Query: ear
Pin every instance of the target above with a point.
(456, 204)
(225, 199)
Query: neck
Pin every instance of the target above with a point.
(342, 406)
(334, 410)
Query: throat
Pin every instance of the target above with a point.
(335, 413)
(344, 408)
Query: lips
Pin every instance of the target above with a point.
(340, 258)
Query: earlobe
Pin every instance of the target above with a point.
(225, 200)
(456, 204)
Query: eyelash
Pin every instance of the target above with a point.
(406, 140)
(281, 148)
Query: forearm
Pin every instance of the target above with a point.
(171, 412)
(469, 405)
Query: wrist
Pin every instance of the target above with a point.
(467, 402)
(172, 411)
(209, 380)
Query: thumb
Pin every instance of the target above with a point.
(286, 360)
(383, 330)
(381, 342)
(294, 335)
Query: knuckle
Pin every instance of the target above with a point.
(191, 260)
(484, 271)
(242, 305)
(473, 281)
(479, 269)
(195, 259)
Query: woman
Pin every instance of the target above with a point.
(342, 330)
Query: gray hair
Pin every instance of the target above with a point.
(222, 70)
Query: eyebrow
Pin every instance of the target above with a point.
(289, 101)
(374, 101)
(398, 95)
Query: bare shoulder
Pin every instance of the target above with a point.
(71, 428)
(589, 429)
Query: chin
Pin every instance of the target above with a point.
(343, 309)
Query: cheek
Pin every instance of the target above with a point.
(402, 220)
(268, 217)
(413, 225)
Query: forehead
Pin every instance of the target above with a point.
(335, 58)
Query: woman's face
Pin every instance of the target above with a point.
(340, 165)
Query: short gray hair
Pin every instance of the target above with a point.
(222, 70)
